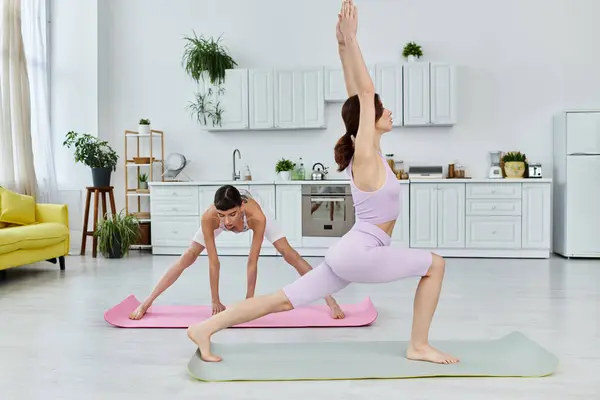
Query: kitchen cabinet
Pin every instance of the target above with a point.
(401, 234)
(286, 99)
(335, 85)
(537, 216)
(231, 99)
(388, 84)
(429, 94)
(452, 218)
(299, 99)
(288, 208)
(437, 215)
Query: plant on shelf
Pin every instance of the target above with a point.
(284, 168)
(96, 154)
(412, 51)
(143, 181)
(144, 126)
(116, 234)
(203, 58)
(514, 164)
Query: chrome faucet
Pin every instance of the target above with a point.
(235, 176)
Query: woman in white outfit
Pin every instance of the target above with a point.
(233, 212)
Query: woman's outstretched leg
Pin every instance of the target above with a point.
(314, 285)
(426, 300)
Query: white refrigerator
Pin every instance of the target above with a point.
(576, 177)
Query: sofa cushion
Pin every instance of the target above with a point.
(32, 236)
(16, 208)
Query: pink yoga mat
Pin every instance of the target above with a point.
(159, 316)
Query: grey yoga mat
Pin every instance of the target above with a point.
(513, 355)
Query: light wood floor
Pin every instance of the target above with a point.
(55, 344)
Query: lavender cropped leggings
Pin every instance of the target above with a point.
(363, 255)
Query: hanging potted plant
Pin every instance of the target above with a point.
(514, 164)
(412, 51)
(206, 58)
(96, 154)
(144, 126)
(284, 168)
(116, 234)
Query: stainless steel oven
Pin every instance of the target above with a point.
(327, 210)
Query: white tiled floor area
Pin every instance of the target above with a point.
(55, 344)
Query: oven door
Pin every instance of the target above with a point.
(326, 211)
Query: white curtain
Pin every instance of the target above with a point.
(26, 163)
(35, 40)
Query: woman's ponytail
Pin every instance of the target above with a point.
(344, 151)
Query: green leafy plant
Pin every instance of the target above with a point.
(116, 234)
(514, 156)
(143, 178)
(144, 121)
(206, 55)
(91, 151)
(284, 165)
(412, 49)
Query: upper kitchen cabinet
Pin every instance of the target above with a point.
(286, 99)
(335, 85)
(429, 94)
(226, 104)
(299, 101)
(388, 83)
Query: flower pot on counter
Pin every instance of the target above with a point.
(514, 169)
(144, 129)
(285, 175)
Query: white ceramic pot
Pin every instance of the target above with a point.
(285, 175)
(412, 58)
(144, 129)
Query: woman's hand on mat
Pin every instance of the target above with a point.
(217, 307)
(139, 312)
(348, 20)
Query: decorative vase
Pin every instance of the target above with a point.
(514, 169)
(144, 129)
(412, 58)
(144, 185)
(101, 177)
(285, 175)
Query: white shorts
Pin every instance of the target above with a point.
(272, 232)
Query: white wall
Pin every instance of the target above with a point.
(519, 62)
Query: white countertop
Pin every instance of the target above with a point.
(347, 182)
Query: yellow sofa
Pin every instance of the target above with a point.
(31, 232)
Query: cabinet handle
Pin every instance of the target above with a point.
(493, 207)
(493, 232)
(493, 190)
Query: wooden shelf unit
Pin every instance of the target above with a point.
(141, 168)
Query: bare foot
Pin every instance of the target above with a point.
(430, 354)
(202, 340)
(140, 311)
(336, 312)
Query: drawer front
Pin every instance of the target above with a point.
(493, 191)
(494, 232)
(174, 231)
(174, 200)
(494, 207)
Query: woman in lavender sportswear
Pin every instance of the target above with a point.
(364, 254)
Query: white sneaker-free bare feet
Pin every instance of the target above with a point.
(430, 354)
(140, 311)
(336, 312)
(202, 339)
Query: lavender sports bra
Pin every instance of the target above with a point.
(379, 206)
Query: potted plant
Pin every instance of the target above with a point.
(514, 164)
(116, 234)
(143, 181)
(144, 126)
(207, 58)
(96, 154)
(412, 51)
(284, 168)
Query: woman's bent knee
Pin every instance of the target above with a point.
(281, 301)
(438, 265)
